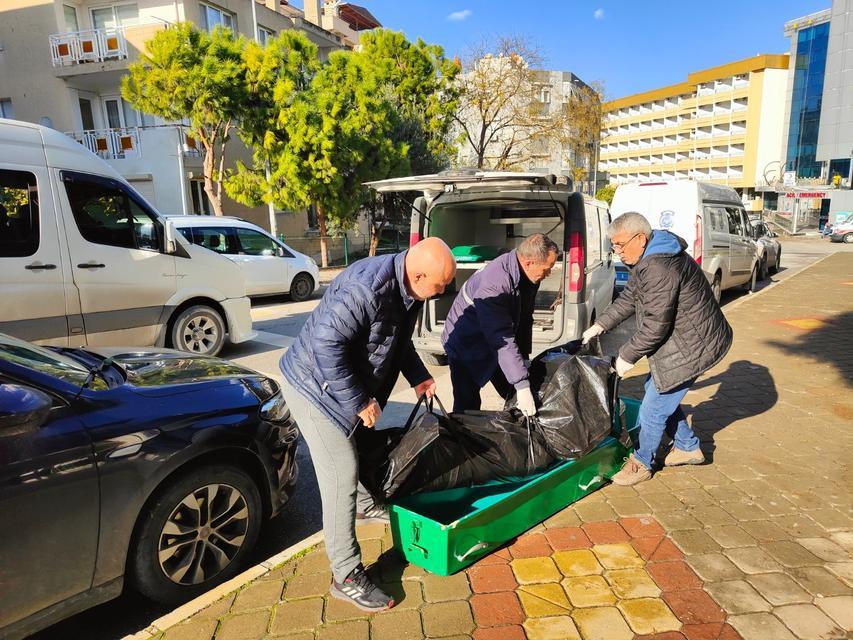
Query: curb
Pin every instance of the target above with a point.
(206, 599)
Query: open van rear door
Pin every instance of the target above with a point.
(433, 184)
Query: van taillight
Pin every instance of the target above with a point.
(697, 241)
(414, 238)
(575, 272)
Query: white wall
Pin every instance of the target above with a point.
(835, 136)
(771, 122)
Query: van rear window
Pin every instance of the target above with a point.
(19, 214)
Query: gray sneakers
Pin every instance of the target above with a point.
(360, 591)
(677, 457)
(632, 472)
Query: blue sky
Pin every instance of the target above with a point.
(632, 45)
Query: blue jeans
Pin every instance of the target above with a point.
(660, 412)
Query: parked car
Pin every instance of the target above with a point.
(839, 218)
(270, 266)
(769, 246)
(88, 261)
(147, 467)
(481, 214)
(842, 232)
(711, 219)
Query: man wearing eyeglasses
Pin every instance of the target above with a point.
(680, 329)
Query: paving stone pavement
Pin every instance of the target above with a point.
(756, 544)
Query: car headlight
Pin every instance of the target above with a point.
(275, 409)
(311, 261)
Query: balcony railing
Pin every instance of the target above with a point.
(110, 144)
(91, 45)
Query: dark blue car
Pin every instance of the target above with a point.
(151, 467)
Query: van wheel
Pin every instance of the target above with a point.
(301, 287)
(435, 359)
(778, 263)
(717, 286)
(751, 285)
(198, 329)
(848, 239)
(195, 534)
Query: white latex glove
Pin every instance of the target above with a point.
(525, 402)
(592, 332)
(622, 367)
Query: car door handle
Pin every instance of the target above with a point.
(38, 266)
(91, 265)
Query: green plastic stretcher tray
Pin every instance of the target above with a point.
(476, 252)
(445, 531)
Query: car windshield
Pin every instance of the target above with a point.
(44, 361)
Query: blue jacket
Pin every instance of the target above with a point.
(357, 341)
(489, 331)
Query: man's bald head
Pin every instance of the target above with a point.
(429, 267)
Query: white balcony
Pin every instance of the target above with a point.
(110, 144)
(91, 45)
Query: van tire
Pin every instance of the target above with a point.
(198, 329)
(717, 286)
(763, 272)
(435, 359)
(301, 287)
(751, 285)
(775, 269)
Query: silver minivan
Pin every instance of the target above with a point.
(481, 214)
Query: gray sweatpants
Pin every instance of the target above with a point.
(336, 466)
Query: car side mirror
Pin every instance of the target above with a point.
(170, 245)
(22, 409)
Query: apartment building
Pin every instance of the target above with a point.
(544, 94)
(722, 125)
(62, 61)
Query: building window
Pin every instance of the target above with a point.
(201, 204)
(806, 97)
(6, 110)
(264, 35)
(212, 16)
(121, 15)
(70, 14)
(545, 95)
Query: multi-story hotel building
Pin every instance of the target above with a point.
(722, 125)
(62, 62)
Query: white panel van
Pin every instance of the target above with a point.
(85, 260)
(711, 219)
(481, 214)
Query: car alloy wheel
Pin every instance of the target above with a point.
(203, 534)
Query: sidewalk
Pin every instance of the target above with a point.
(756, 544)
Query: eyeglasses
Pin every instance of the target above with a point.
(618, 246)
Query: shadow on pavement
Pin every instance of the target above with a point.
(745, 389)
(829, 343)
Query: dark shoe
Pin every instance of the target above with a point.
(373, 514)
(360, 591)
(631, 473)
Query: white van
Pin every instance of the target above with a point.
(711, 219)
(85, 260)
(271, 267)
(481, 214)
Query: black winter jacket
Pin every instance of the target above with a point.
(357, 341)
(680, 327)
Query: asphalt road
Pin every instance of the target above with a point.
(278, 321)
